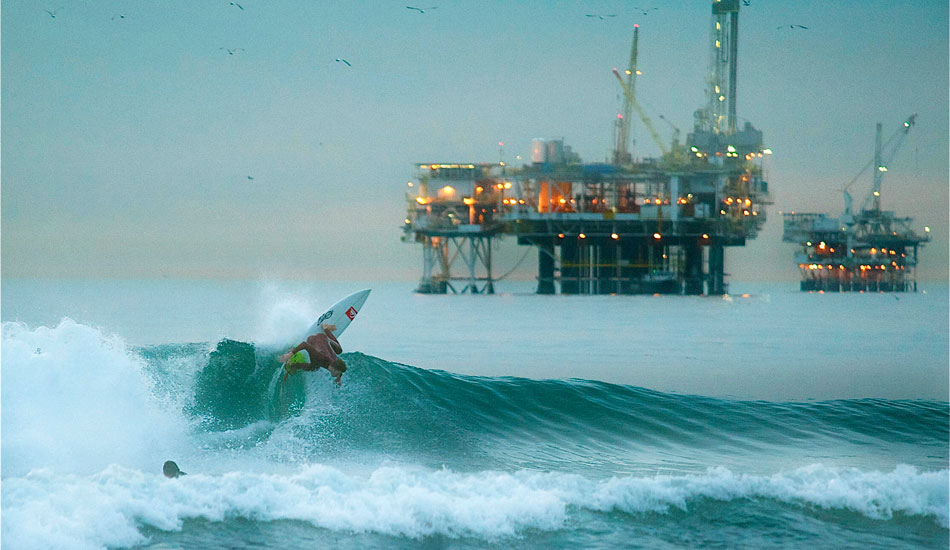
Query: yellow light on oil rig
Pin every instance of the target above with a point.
(639, 72)
(468, 200)
(705, 235)
(560, 235)
(448, 190)
(926, 229)
(730, 148)
(500, 186)
(882, 168)
(808, 243)
(563, 201)
(877, 193)
(657, 236)
(873, 251)
(479, 189)
(614, 236)
(423, 200)
(582, 236)
(408, 221)
(507, 185)
(767, 151)
(628, 72)
(821, 245)
(410, 184)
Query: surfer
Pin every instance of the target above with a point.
(170, 469)
(322, 349)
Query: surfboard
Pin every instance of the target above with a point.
(340, 314)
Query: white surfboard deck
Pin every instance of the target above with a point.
(340, 314)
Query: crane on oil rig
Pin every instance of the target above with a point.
(621, 155)
(883, 153)
(632, 100)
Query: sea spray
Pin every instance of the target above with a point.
(76, 400)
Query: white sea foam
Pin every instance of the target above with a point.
(46, 510)
(76, 400)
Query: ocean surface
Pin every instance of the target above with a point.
(767, 418)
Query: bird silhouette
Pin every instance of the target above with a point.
(343, 61)
(792, 27)
(53, 13)
(421, 10)
(601, 17)
(238, 5)
(645, 11)
(250, 178)
(119, 16)
(232, 51)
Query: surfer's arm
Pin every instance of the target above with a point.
(334, 343)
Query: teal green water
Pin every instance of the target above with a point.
(407, 457)
(625, 467)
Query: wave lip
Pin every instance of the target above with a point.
(415, 502)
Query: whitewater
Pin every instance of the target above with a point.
(764, 419)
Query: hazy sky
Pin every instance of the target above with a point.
(130, 132)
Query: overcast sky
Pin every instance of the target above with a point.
(131, 130)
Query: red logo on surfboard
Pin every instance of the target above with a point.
(351, 313)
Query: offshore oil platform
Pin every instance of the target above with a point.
(626, 225)
(868, 250)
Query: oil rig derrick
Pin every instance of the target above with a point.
(868, 250)
(627, 225)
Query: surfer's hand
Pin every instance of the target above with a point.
(328, 327)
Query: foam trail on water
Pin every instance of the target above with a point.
(108, 509)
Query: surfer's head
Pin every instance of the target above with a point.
(170, 469)
(337, 367)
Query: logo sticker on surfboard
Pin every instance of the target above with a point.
(351, 313)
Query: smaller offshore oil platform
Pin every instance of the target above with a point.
(867, 250)
(627, 225)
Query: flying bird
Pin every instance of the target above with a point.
(119, 16)
(53, 13)
(746, 2)
(645, 11)
(232, 51)
(238, 5)
(792, 27)
(421, 10)
(250, 178)
(601, 17)
(344, 61)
